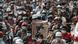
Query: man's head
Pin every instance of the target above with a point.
(58, 35)
(18, 40)
(9, 17)
(57, 20)
(74, 19)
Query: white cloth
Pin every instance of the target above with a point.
(76, 30)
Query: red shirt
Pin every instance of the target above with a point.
(66, 35)
(30, 40)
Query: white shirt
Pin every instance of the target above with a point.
(76, 30)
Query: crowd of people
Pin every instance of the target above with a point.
(16, 21)
(62, 17)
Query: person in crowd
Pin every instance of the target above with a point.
(1, 38)
(74, 21)
(49, 37)
(58, 39)
(75, 34)
(40, 40)
(66, 35)
(16, 21)
(17, 40)
(57, 23)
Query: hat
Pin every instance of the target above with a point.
(24, 18)
(8, 9)
(1, 34)
(18, 40)
(59, 6)
(43, 12)
(24, 24)
(58, 34)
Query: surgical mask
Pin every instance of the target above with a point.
(9, 17)
(15, 14)
(19, 17)
(19, 12)
(58, 38)
(28, 34)
(39, 40)
(24, 27)
(24, 18)
(63, 31)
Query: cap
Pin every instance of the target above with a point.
(24, 24)
(58, 34)
(8, 9)
(59, 6)
(17, 40)
(1, 34)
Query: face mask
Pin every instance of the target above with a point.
(39, 40)
(58, 38)
(63, 31)
(24, 18)
(9, 17)
(19, 17)
(19, 12)
(23, 27)
(15, 14)
(28, 34)
(14, 19)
